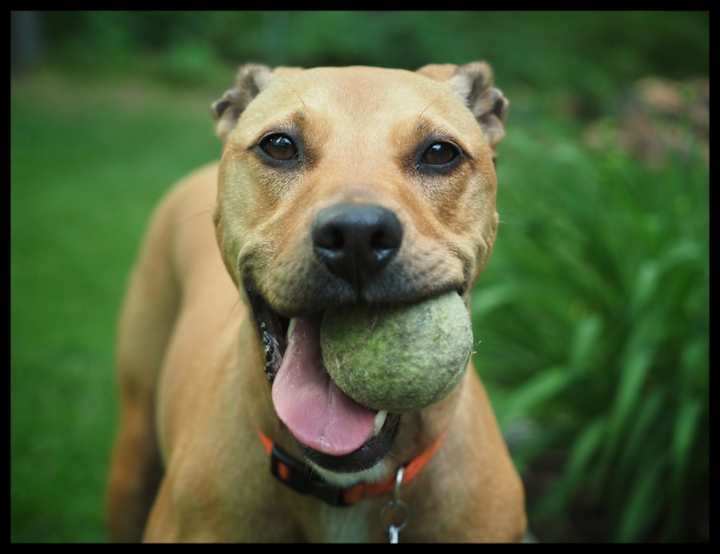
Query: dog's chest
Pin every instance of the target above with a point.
(350, 524)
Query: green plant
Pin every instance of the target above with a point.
(593, 317)
(588, 54)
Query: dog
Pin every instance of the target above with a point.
(336, 186)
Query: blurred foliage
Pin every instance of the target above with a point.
(591, 318)
(587, 54)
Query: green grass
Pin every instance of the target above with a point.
(592, 315)
(88, 164)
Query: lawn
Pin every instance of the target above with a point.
(88, 163)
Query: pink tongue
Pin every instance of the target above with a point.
(307, 401)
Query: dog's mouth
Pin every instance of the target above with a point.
(333, 431)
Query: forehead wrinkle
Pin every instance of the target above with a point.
(426, 127)
(295, 119)
(427, 122)
(461, 126)
(435, 99)
(298, 97)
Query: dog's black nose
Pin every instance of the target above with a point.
(355, 241)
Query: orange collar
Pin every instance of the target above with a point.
(299, 477)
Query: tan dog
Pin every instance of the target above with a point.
(336, 186)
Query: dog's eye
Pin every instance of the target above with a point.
(279, 147)
(440, 153)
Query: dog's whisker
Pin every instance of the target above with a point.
(196, 214)
(232, 309)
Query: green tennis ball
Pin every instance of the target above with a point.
(398, 358)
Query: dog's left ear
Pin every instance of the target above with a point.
(250, 80)
(474, 83)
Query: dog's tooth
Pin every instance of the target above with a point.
(291, 326)
(379, 421)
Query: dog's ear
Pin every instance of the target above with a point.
(249, 81)
(474, 83)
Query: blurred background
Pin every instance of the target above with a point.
(591, 319)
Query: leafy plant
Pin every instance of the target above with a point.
(593, 317)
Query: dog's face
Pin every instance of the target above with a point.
(356, 184)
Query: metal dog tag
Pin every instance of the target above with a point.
(393, 534)
(395, 513)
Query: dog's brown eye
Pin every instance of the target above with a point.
(440, 153)
(279, 147)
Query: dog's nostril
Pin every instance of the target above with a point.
(336, 239)
(380, 240)
(329, 237)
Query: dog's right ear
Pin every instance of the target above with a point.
(250, 80)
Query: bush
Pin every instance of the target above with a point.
(589, 54)
(593, 318)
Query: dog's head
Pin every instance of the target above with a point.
(355, 184)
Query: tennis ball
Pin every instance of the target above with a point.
(397, 358)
